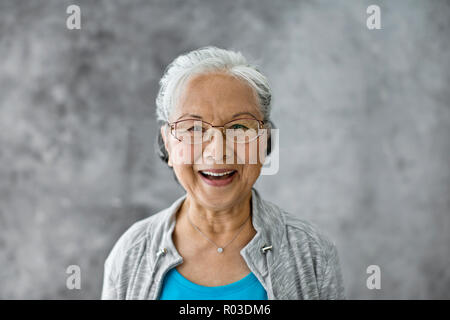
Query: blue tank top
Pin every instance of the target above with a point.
(177, 287)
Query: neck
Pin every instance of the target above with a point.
(216, 222)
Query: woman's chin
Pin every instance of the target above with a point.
(218, 198)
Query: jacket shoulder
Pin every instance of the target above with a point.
(130, 241)
(137, 232)
(318, 255)
(304, 232)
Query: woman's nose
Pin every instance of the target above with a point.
(215, 146)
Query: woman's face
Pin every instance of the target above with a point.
(216, 98)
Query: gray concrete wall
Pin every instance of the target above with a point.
(364, 122)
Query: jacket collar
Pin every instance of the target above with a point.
(266, 219)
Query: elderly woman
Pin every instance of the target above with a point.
(220, 240)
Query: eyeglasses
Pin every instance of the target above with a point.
(195, 131)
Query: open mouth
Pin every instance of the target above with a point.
(216, 175)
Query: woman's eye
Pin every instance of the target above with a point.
(196, 129)
(238, 126)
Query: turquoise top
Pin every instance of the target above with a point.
(177, 287)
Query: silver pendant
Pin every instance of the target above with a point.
(219, 250)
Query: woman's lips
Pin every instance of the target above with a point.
(217, 177)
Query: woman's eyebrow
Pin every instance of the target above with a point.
(191, 115)
(200, 117)
(242, 113)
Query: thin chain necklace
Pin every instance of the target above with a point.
(219, 249)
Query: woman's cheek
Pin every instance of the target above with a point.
(183, 154)
(247, 153)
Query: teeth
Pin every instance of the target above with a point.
(217, 174)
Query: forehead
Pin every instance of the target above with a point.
(216, 96)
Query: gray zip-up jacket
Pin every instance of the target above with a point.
(290, 258)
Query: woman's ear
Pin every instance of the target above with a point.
(166, 144)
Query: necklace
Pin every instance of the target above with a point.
(219, 249)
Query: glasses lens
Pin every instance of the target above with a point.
(242, 130)
(190, 131)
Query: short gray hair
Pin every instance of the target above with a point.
(205, 60)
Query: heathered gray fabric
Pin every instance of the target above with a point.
(302, 264)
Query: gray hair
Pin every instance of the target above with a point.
(205, 60)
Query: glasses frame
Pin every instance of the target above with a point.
(172, 126)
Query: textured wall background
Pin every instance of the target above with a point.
(364, 120)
